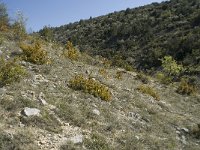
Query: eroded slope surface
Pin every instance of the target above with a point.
(70, 119)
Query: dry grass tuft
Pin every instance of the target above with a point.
(148, 90)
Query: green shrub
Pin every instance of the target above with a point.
(148, 90)
(120, 62)
(170, 66)
(163, 78)
(171, 70)
(10, 71)
(91, 86)
(34, 53)
(70, 52)
(46, 33)
(186, 87)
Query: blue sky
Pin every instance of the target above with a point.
(60, 12)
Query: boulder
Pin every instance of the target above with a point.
(30, 112)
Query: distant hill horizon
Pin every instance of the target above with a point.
(141, 36)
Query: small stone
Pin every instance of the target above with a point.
(183, 139)
(43, 102)
(76, 139)
(37, 79)
(137, 137)
(21, 125)
(41, 98)
(94, 105)
(51, 107)
(29, 95)
(185, 130)
(30, 112)
(66, 124)
(96, 112)
(87, 72)
(23, 63)
(2, 90)
(42, 142)
(74, 96)
(60, 136)
(134, 115)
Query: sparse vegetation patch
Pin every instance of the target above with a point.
(148, 90)
(91, 86)
(20, 141)
(10, 71)
(119, 75)
(97, 142)
(186, 87)
(71, 52)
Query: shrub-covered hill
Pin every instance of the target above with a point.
(141, 36)
(57, 98)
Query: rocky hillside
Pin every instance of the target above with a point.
(69, 100)
(140, 36)
(55, 97)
